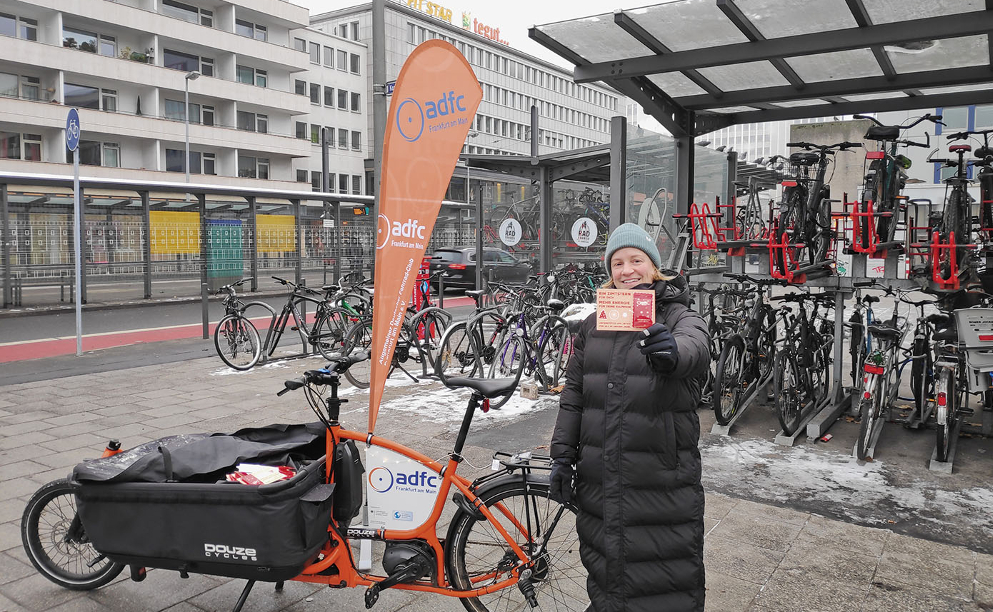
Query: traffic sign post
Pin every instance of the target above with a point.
(73, 130)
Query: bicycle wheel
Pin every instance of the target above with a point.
(457, 354)
(329, 332)
(920, 373)
(427, 338)
(790, 394)
(869, 409)
(948, 406)
(766, 345)
(237, 342)
(553, 354)
(821, 234)
(358, 339)
(56, 543)
(479, 556)
(508, 362)
(727, 381)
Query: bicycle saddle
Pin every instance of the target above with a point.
(883, 132)
(804, 158)
(870, 299)
(949, 334)
(555, 305)
(959, 147)
(938, 319)
(475, 293)
(885, 331)
(487, 387)
(331, 288)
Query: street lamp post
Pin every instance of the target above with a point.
(190, 76)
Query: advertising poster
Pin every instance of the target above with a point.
(431, 111)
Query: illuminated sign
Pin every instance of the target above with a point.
(431, 8)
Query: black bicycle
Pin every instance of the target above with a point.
(803, 360)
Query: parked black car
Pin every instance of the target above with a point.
(460, 264)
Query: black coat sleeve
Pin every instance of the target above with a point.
(692, 342)
(565, 436)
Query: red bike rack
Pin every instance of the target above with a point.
(858, 218)
(790, 263)
(700, 226)
(936, 246)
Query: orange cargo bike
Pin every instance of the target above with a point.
(508, 546)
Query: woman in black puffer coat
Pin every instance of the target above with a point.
(627, 431)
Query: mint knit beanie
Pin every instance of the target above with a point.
(631, 235)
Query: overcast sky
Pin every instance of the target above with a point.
(513, 17)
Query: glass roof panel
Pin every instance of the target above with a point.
(834, 66)
(750, 75)
(774, 19)
(944, 54)
(676, 84)
(687, 24)
(733, 109)
(888, 11)
(956, 89)
(879, 95)
(596, 38)
(795, 103)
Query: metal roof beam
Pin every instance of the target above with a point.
(672, 116)
(925, 102)
(746, 27)
(862, 85)
(862, 18)
(642, 35)
(569, 170)
(553, 45)
(928, 28)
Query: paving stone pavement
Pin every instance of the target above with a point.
(759, 557)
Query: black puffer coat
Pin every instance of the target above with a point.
(633, 433)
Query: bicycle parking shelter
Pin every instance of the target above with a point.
(697, 67)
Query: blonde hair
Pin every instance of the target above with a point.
(656, 276)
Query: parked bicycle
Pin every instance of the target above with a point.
(803, 361)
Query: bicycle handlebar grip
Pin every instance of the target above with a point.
(292, 385)
(795, 145)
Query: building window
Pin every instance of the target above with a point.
(301, 130)
(79, 39)
(412, 33)
(206, 66)
(329, 96)
(356, 141)
(32, 147)
(261, 78)
(178, 60)
(300, 44)
(356, 101)
(353, 65)
(89, 153)
(330, 131)
(251, 76)
(111, 155)
(315, 133)
(82, 96)
(174, 110)
(315, 93)
(8, 27)
(207, 115)
(209, 164)
(342, 99)
(343, 143)
(108, 45)
(328, 57)
(8, 85)
(108, 100)
(250, 30)
(30, 88)
(342, 60)
(315, 180)
(356, 184)
(301, 176)
(300, 87)
(174, 161)
(355, 30)
(253, 167)
(343, 183)
(188, 12)
(315, 53)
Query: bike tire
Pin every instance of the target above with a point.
(868, 412)
(329, 332)
(788, 381)
(943, 434)
(508, 363)
(359, 339)
(727, 380)
(457, 354)
(56, 543)
(822, 234)
(477, 555)
(766, 345)
(920, 365)
(237, 342)
(553, 354)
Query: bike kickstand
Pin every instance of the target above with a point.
(244, 596)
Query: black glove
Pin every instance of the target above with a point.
(560, 481)
(660, 345)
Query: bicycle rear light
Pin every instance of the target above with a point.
(873, 369)
(456, 266)
(875, 155)
(942, 399)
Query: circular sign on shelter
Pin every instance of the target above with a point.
(584, 231)
(510, 231)
(72, 129)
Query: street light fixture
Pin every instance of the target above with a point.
(190, 76)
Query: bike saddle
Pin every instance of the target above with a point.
(885, 331)
(938, 319)
(955, 148)
(475, 293)
(555, 305)
(949, 334)
(804, 158)
(331, 288)
(487, 387)
(883, 132)
(870, 299)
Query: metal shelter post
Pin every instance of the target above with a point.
(479, 236)
(618, 170)
(545, 219)
(338, 233)
(204, 238)
(298, 273)
(8, 298)
(253, 210)
(685, 158)
(81, 209)
(146, 249)
(730, 191)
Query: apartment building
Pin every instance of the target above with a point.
(571, 115)
(128, 66)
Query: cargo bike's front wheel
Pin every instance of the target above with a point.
(56, 543)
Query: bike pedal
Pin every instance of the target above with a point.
(371, 596)
(295, 328)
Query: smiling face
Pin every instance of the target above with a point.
(630, 267)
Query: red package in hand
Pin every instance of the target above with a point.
(644, 310)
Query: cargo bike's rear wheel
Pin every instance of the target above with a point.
(56, 543)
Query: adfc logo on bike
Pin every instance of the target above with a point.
(584, 232)
(510, 231)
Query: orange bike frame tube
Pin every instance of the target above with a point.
(339, 555)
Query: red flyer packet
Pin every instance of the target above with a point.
(624, 310)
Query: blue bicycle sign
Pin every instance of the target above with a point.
(72, 129)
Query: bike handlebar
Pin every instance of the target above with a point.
(927, 117)
(809, 146)
(744, 278)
